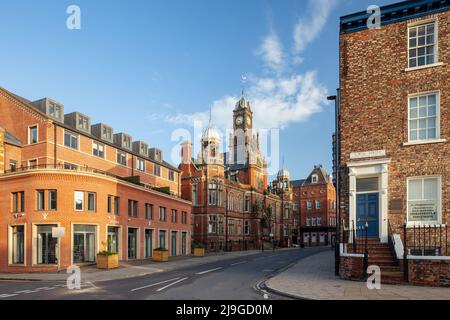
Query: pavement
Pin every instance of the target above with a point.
(130, 269)
(229, 276)
(313, 278)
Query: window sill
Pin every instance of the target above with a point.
(434, 65)
(414, 143)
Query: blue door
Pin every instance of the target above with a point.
(367, 211)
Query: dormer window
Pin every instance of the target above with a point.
(54, 110)
(314, 178)
(83, 123)
(107, 133)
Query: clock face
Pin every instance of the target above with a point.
(249, 121)
(239, 120)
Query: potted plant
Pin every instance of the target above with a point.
(160, 255)
(107, 260)
(199, 249)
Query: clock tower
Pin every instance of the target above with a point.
(242, 115)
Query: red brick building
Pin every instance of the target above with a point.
(394, 150)
(315, 204)
(232, 206)
(108, 192)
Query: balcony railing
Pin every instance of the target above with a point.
(85, 169)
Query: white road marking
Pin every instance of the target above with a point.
(210, 270)
(154, 284)
(8, 295)
(171, 284)
(237, 263)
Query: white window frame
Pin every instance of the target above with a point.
(436, 43)
(138, 168)
(308, 206)
(37, 134)
(75, 201)
(438, 115)
(72, 134)
(314, 178)
(119, 152)
(439, 201)
(319, 206)
(98, 144)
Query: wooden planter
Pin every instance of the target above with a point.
(199, 252)
(160, 256)
(107, 262)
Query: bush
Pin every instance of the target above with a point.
(161, 249)
(199, 245)
(106, 253)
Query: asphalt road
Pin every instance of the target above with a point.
(230, 279)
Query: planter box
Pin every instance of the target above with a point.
(107, 262)
(160, 256)
(199, 252)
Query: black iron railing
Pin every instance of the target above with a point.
(426, 240)
(355, 241)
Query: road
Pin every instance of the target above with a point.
(230, 279)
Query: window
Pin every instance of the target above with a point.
(52, 200)
(287, 213)
(308, 222)
(230, 202)
(83, 123)
(109, 204)
(319, 221)
(162, 239)
(91, 202)
(239, 204)
(184, 217)
(212, 224)
(32, 134)
(121, 158)
(314, 178)
(318, 204)
(70, 140)
(157, 170)
(107, 133)
(18, 244)
(309, 205)
(140, 164)
(79, 200)
(174, 216)
(148, 211)
(133, 207)
(113, 239)
(424, 117)
(46, 244)
(212, 194)
(314, 222)
(247, 203)
(54, 110)
(162, 214)
(40, 200)
(116, 206)
(12, 165)
(247, 227)
(98, 149)
(194, 195)
(69, 166)
(171, 175)
(32, 164)
(18, 202)
(422, 44)
(366, 184)
(424, 200)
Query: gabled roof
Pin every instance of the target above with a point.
(297, 183)
(321, 173)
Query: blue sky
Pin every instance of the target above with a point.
(151, 67)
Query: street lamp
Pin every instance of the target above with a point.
(336, 99)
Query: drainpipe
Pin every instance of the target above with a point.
(55, 140)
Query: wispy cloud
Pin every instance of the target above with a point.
(309, 26)
(271, 51)
(280, 97)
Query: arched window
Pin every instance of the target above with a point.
(230, 202)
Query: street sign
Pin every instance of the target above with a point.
(58, 232)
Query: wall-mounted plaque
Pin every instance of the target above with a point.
(368, 154)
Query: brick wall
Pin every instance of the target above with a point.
(434, 273)
(351, 268)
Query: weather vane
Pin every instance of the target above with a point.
(243, 81)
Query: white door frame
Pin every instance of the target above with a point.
(371, 168)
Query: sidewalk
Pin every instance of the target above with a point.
(313, 278)
(129, 269)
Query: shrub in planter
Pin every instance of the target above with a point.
(107, 260)
(160, 255)
(199, 249)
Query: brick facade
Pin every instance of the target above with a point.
(98, 181)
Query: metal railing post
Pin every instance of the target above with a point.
(405, 254)
(366, 251)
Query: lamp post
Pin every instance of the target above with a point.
(336, 100)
